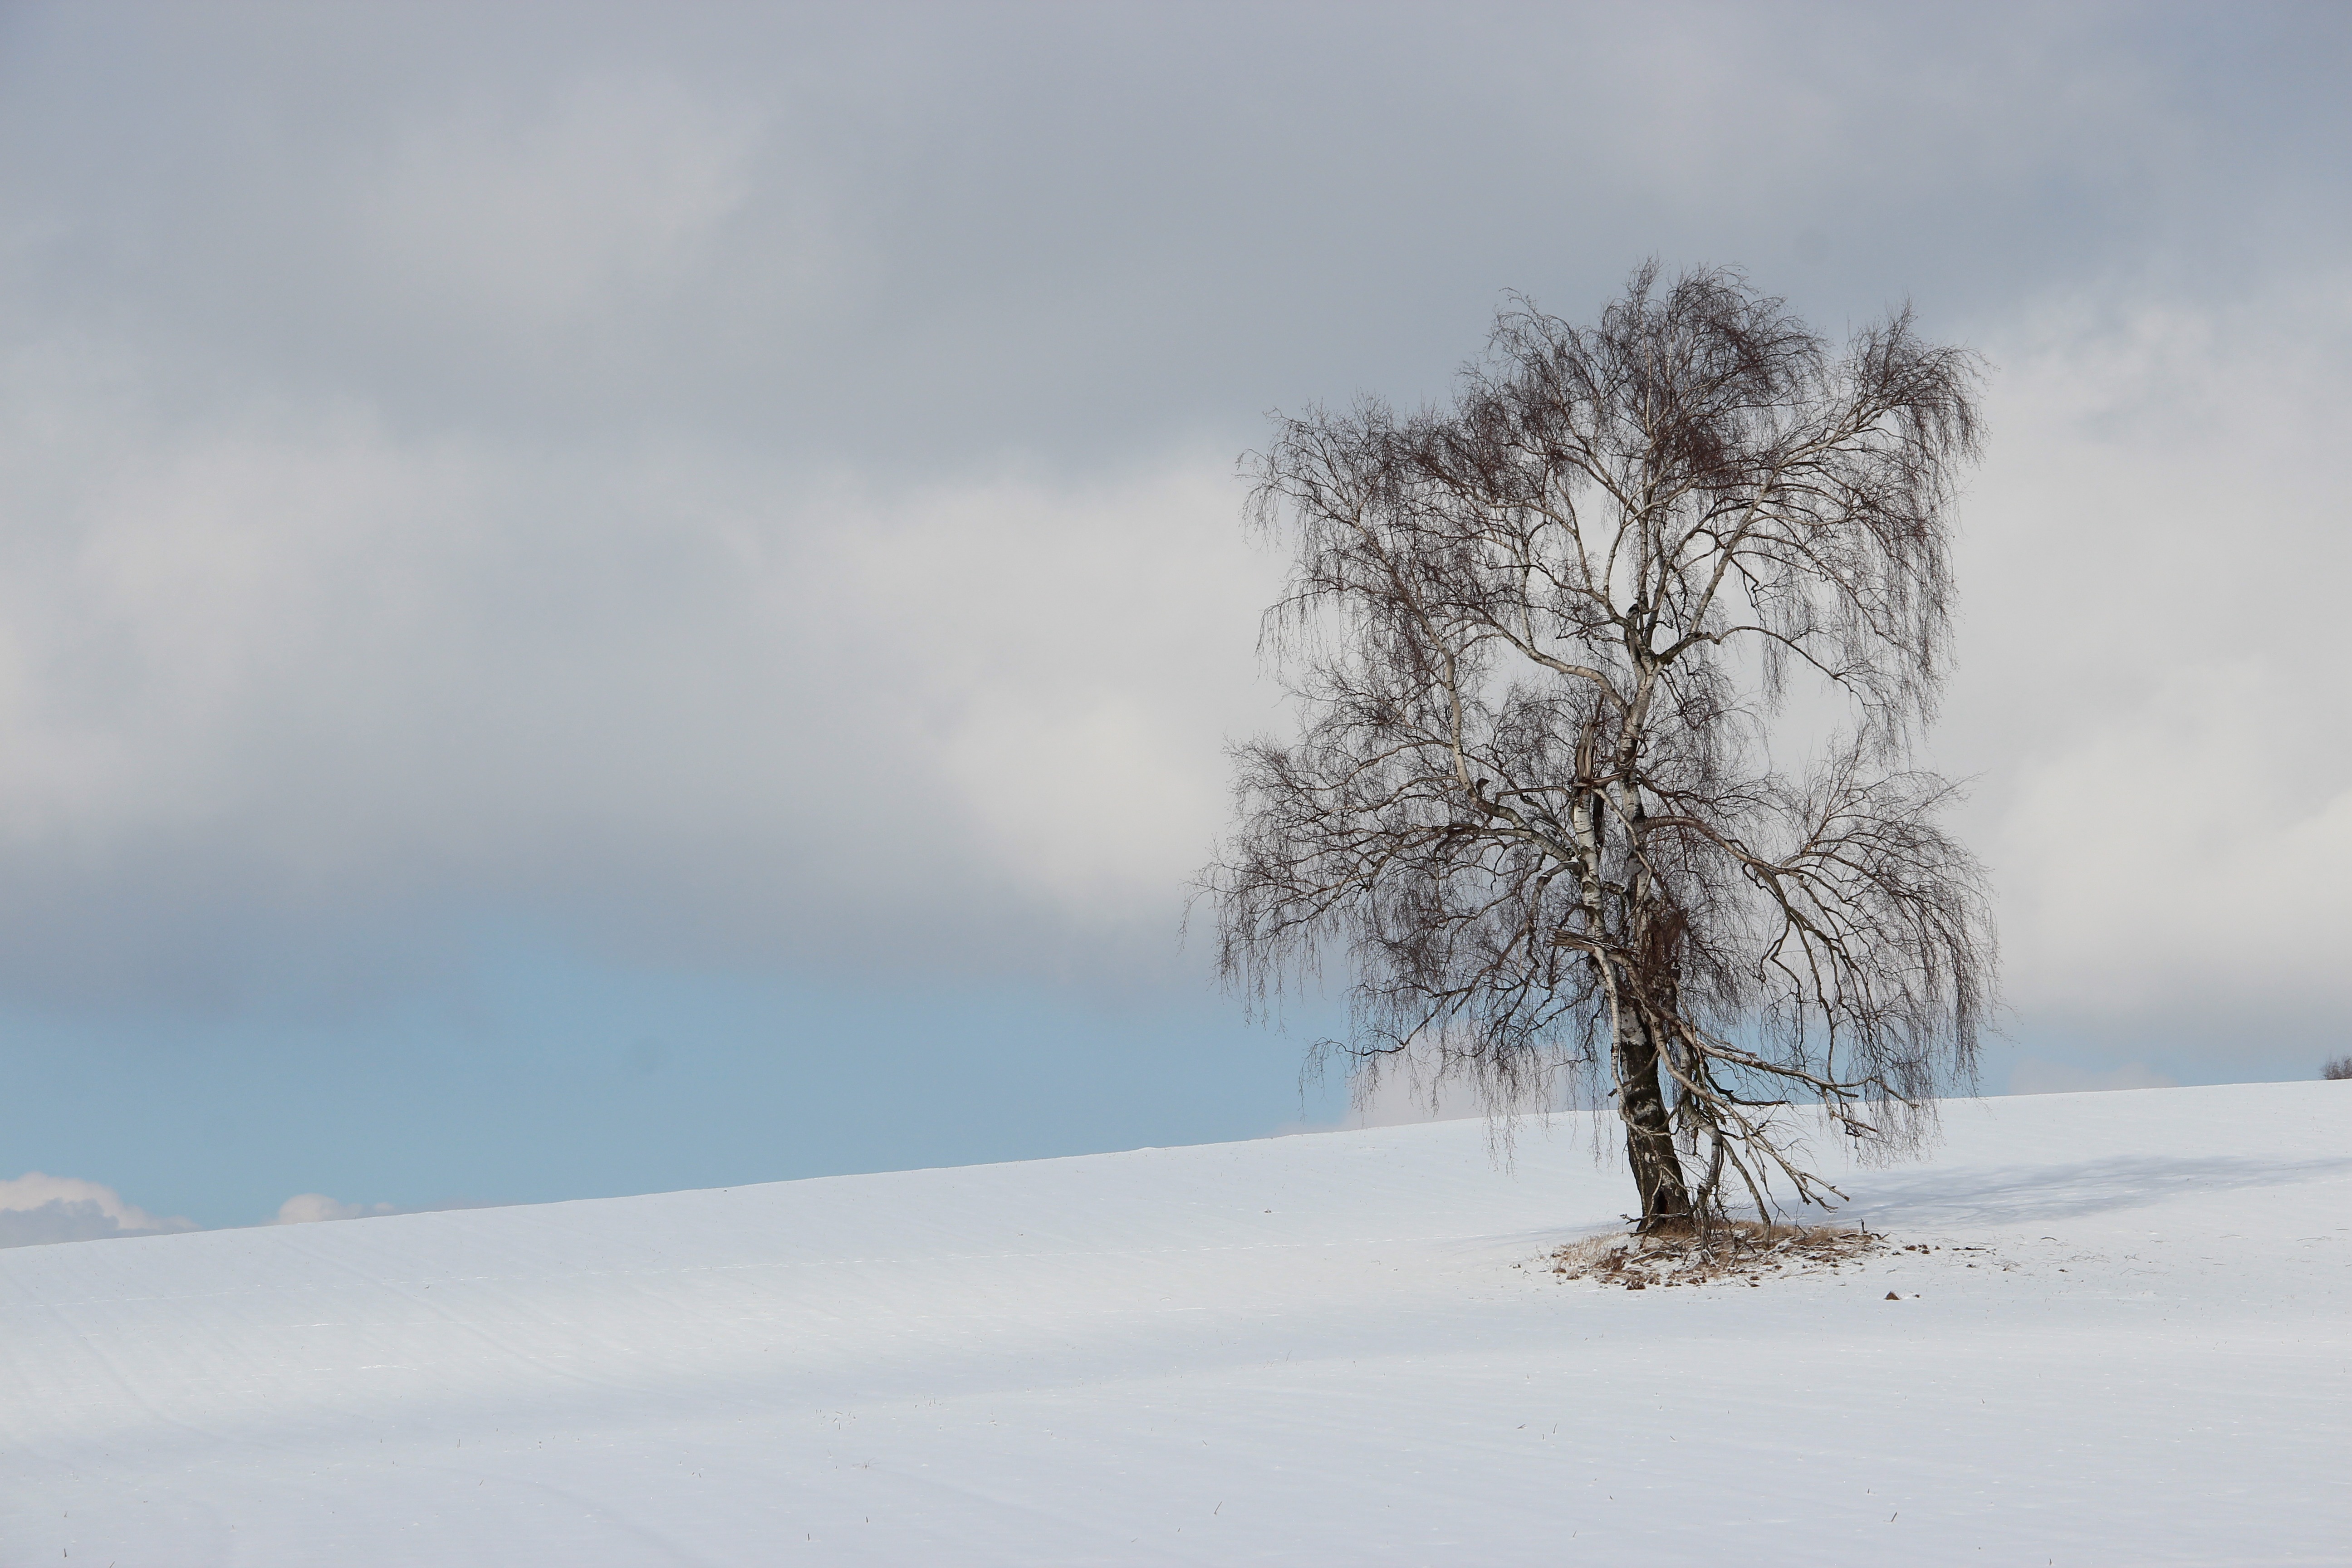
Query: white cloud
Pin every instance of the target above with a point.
(36, 1208)
(305, 1208)
(320, 664)
(2033, 1075)
(1399, 1100)
(2151, 684)
(1405, 1093)
(1076, 653)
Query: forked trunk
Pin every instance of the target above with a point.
(1649, 1136)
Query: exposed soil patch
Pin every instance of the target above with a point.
(1739, 1252)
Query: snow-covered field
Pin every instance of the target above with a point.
(1311, 1349)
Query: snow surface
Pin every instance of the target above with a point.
(1308, 1350)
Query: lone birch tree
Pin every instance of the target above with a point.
(1539, 640)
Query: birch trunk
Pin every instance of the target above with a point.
(1649, 1137)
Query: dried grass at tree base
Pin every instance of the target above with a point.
(1735, 1251)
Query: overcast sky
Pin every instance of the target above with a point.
(597, 599)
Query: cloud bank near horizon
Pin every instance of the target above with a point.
(36, 1208)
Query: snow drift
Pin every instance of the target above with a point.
(1307, 1350)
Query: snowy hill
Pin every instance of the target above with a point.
(1311, 1349)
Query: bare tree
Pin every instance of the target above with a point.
(2338, 1070)
(1540, 639)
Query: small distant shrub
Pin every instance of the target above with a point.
(2341, 1067)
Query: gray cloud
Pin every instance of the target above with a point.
(933, 235)
(756, 485)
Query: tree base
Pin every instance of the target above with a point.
(1727, 1251)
